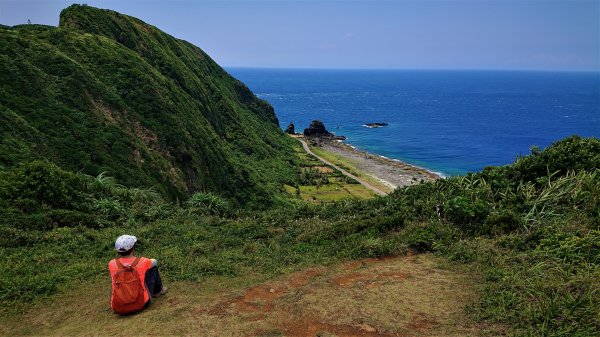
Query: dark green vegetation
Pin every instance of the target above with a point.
(105, 92)
(534, 239)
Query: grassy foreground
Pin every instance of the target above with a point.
(367, 297)
(531, 230)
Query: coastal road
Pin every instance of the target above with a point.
(344, 172)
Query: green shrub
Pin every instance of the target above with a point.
(503, 221)
(371, 247)
(15, 237)
(466, 213)
(71, 218)
(208, 203)
(419, 237)
(110, 209)
(41, 184)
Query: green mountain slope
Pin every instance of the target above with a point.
(107, 92)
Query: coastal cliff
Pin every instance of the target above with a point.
(106, 92)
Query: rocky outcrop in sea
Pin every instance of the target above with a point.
(316, 129)
(290, 129)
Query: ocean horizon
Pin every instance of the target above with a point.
(447, 121)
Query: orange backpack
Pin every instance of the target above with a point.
(128, 292)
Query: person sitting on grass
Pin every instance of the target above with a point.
(135, 280)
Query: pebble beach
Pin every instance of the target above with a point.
(390, 172)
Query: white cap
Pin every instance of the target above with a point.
(125, 243)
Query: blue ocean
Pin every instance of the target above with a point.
(451, 122)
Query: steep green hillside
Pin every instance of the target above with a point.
(107, 92)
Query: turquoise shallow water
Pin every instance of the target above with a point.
(451, 122)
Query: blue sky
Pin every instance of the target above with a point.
(476, 34)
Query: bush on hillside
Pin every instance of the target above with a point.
(40, 184)
(41, 196)
(570, 154)
(208, 203)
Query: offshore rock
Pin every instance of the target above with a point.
(375, 125)
(290, 129)
(317, 129)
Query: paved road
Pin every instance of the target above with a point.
(344, 172)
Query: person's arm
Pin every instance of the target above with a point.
(154, 263)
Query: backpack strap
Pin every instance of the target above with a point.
(135, 262)
(133, 265)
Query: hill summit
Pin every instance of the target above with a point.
(105, 91)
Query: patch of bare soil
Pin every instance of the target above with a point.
(392, 296)
(395, 296)
(260, 299)
(311, 327)
(322, 169)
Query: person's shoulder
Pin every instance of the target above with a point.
(112, 264)
(146, 262)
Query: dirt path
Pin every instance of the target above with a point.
(399, 296)
(344, 172)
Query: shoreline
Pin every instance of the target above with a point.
(433, 174)
(391, 173)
